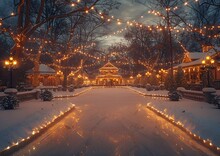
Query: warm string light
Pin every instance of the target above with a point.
(208, 143)
(30, 55)
(39, 129)
(46, 124)
(189, 27)
(160, 96)
(131, 23)
(202, 31)
(119, 21)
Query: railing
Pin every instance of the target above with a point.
(52, 88)
(193, 95)
(24, 96)
(29, 95)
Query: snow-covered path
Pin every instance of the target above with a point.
(113, 121)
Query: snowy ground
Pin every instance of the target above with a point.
(161, 92)
(19, 123)
(200, 117)
(113, 121)
(67, 93)
(158, 92)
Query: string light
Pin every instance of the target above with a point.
(41, 128)
(203, 31)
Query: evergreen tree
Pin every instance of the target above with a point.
(205, 78)
(180, 80)
(169, 85)
(153, 79)
(79, 82)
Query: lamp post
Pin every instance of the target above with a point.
(59, 74)
(70, 77)
(131, 81)
(148, 74)
(208, 64)
(161, 72)
(10, 64)
(139, 79)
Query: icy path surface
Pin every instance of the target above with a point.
(19, 123)
(199, 117)
(113, 121)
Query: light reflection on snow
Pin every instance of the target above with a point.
(124, 131)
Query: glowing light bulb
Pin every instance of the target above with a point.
(208, 57)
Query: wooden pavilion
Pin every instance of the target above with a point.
(44, 75)
(109, 76)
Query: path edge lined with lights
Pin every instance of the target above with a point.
(206, 143)
(150, 95)
(198, 139)
(74, 95)
(40, 131)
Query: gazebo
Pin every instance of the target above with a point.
(108, 75)
(44, 75)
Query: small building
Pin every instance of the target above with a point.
(109, 76)
(42, 74)
(193, 67)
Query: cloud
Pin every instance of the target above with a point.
(129, 10)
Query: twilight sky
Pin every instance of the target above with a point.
(129, 10)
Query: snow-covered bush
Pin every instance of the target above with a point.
(174, 96)
(10, 102)
(161, 86)
(46, 95)
(149, 87)
(71, 88)
(155, 87)
(180, 89)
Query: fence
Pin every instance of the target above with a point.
(193, 95)
(24, 96)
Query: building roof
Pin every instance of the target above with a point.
(108, 66)
(43, 69)
(200, 56)
(197, 55)
(108, 76)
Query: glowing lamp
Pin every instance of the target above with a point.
(208, 57)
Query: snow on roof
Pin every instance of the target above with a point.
(198, 61)
(214, 49)
(43, 69)
(196, 55)
(109, 76)
(109, 66)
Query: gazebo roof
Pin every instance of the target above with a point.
(108, 66)
(43, 69)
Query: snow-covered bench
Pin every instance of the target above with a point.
(191, 94)
(24, 96)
